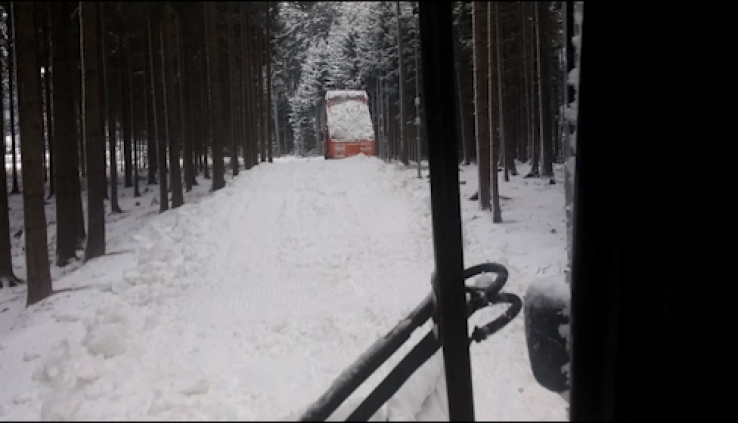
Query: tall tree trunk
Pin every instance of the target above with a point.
(151, 130)
(184, 105)
(259, 103)
(171, 107)
(157, 89)
(12, 74)
(216, 105)
(256, 54)
(513, 126)
(7, 275)
(386, 126)
(135, 134)
(380, 118)
(231, 92)
(206, 111)
(495, 117)
(41, 60)
(32, 151)
(403, 153)
(149, 116)
(470, 152)
(93, 134)
(481, 102)
(126, 112)
(544, 91)
(195, 108)
(501, 110)
(275, 122)
(465, 71)
(188, 95)
(70, 227)
(253, 82)
(110, 101)
(76, 58)
(101, 93)
(48, 86)
(248, 156)
(521, 74)
(534, 94)
(268, 121)
(263, 104)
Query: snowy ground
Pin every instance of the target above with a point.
(246, 303)
(531, 243)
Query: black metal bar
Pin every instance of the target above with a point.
(367, 363)
(425, 350)
(397, 377)
(436, 38)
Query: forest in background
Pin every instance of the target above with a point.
(162, 92)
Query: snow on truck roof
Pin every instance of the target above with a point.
(349, 120)
(345, 94)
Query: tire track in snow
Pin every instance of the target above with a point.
(245, 306)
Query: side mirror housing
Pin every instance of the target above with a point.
(546, 314)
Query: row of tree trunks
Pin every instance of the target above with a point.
(531, 77)
(515, 104)
(154, 91)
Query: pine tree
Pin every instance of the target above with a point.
(32, 151)
(93, 134)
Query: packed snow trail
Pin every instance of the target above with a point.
(249, 303)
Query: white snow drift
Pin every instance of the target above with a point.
(249, 303)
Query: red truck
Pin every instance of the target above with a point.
(348, 128)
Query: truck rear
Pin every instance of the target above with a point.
(348, 125)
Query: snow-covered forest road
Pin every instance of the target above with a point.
(248, 303)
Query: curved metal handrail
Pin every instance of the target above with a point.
(351, 378)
